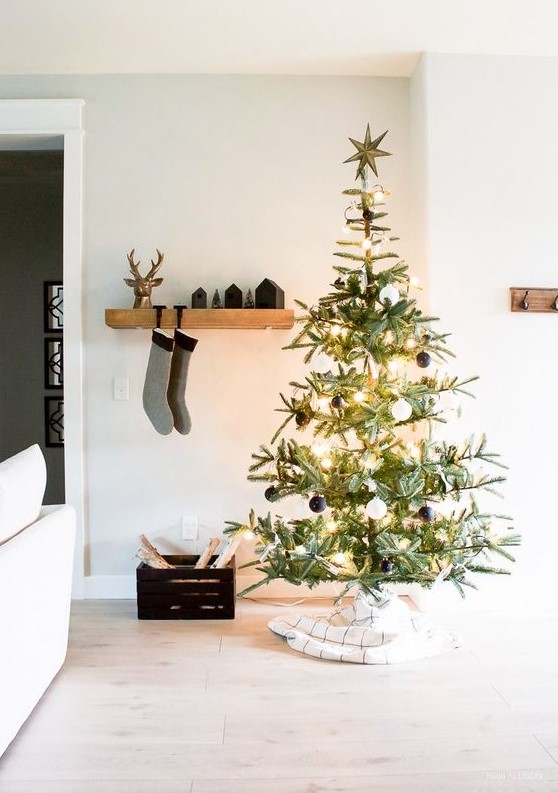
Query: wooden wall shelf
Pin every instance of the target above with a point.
(192, 318)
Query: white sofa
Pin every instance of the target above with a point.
(36, 560)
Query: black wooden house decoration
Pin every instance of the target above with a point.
(233, 297)
(199, 298)
(269, 295)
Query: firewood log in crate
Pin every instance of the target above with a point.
(185, 592)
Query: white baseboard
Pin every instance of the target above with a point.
(110, 587)
(441, 602)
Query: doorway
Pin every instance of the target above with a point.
(31, 357)
(23, 121)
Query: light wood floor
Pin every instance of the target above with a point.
(227, 707)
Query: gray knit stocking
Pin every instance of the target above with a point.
(156, 382)
(184, 346)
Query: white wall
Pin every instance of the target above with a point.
(489, 127)
(235, 179)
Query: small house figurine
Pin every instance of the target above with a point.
(233, 297)
(269, 295)
(199, 298)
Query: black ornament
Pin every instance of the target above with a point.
(426, 514)
(317, 503)
(386, 565)
(423, 359)
(339, 282)
(233, 297)
(368, 214)
(338, 402)
(269, 295)
(270, 493)
(302, 418)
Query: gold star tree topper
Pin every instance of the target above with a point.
(367, 152)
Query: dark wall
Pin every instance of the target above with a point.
(31, 196)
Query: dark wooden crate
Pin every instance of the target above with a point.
(185, 593)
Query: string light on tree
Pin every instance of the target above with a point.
(340, 559)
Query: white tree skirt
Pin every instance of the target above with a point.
(379, 629)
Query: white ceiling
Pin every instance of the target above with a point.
(322, 37)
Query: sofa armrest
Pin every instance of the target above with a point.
(35, 598)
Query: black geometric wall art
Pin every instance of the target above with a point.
(54, 368)
(269, 295)
(54, 421)
(53, 306)
(233, 297)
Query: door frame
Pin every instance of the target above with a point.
(63, 117)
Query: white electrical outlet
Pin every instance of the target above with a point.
(189, 527)
(121, 388)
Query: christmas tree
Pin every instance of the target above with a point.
(387, 501)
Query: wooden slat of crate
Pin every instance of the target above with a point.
(185, 592)
(188, 587)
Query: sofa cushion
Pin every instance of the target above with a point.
(22, 487)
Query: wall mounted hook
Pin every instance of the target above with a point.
(159, 310)
(534, 299)
(179, 308)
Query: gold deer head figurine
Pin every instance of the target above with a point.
(143, 285)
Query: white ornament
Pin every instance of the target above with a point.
(401, 410)
(390, 293)
(376, 508)
(322, 363)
